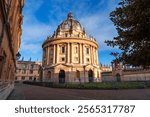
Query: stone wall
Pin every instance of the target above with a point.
(73, 74)
(5, 90)
(10, 38)
(107, 77)
(130, 75)
(140, 75)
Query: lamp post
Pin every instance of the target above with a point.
(18, 55)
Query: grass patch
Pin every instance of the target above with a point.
(103, 85)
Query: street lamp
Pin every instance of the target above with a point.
(18, 55)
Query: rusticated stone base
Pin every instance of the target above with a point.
(5, 91)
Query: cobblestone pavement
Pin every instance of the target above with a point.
(30, 92)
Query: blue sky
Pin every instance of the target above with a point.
(41, 17)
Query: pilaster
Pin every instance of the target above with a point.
(54, 52)
(57, 53)
(83, 53)
(80, 53)
(68, 53)
(48, 55)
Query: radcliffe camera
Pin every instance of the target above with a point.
(74, 50)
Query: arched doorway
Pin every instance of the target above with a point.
(49, 74)
(118, 78)
(78, 75)
(90, 75)
(62, 77)
(97, 74)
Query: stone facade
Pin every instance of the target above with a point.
(69, 55)
(122, 72)
(105, 68)
(10, 37)
(28, 70)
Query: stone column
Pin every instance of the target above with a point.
(57, 53)
(91, 54)
(68, 52)
(54, 51)
(43, 57)
(71, 52)
(80, 53)
(48, 55)
(97, 56)
(43, 74)
(83, 53)
(94, 55)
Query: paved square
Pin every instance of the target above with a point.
(30, 92)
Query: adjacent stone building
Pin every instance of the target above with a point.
(69, 55)
(10, 37)
(28, 70)
(124, 73)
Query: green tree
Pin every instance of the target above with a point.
(132, 21)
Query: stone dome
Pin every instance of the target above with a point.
(70, 26)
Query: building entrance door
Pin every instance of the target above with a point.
(62, 77)
(90, 75)
(118, 78)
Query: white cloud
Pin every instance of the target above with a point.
(34, 32)
(100, 27)
(96, 23)
(32, 48)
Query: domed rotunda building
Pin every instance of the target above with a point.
(69, 55)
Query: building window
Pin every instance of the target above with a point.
(87, 59)
(51, 60)
(24, 66)
(87, 51)
(31, 71)
(44, 53)
(51, 51)
(66, 35)
(76, 58)
(32, 66)
(24, 71)
(62, 59)
(76, 50)
(30, 78)
(63, 49)
(19, 71)
(23, 78)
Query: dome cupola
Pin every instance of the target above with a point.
(70, 16)
(69, 27)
